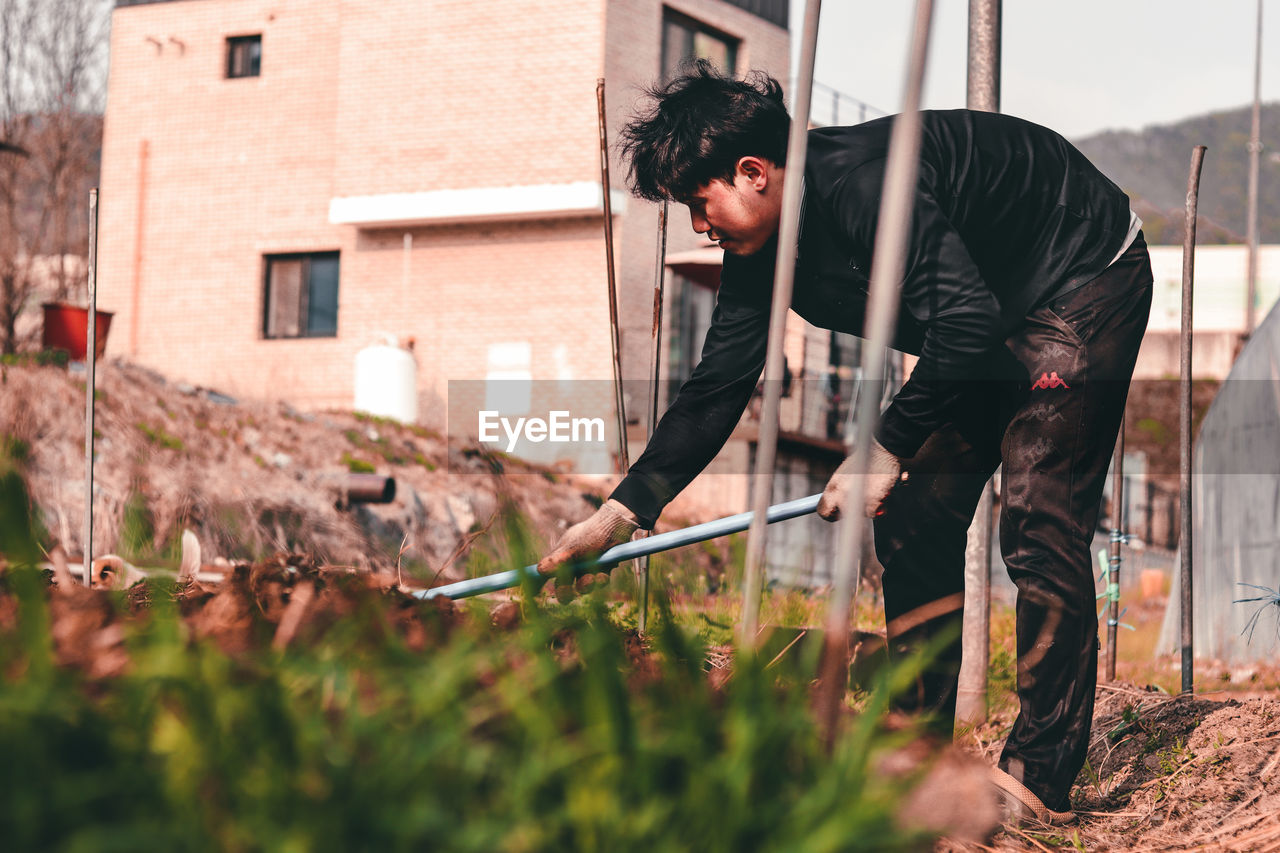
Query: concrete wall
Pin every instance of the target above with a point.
(1218, 308)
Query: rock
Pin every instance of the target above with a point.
(460, 513)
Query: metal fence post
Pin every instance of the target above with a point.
(971, 690)
(90, 362)
(783, 279)
(888, 265)
(1184, 414)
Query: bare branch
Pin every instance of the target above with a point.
(52, 74)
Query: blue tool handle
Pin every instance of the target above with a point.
(628, 550)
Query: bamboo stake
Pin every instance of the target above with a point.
(1184, 414)
(655, 370)
(615, 336)
(888, 264)
(783, 279)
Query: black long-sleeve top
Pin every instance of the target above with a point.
(1006, 215)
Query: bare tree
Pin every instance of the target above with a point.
(52, 88)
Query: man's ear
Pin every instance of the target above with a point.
(755, 170)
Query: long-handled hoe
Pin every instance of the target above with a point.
(628, 550)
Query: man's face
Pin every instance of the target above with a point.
(743, 215)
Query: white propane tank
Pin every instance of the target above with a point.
(387, 382)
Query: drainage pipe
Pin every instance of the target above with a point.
(361, 488)
(628, 550)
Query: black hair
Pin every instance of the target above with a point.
(697, 128)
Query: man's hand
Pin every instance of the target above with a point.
(883, 471)
(611, 525)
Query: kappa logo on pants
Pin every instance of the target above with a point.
(1049, 380)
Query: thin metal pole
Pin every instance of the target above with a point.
(655, 371)
(655, 544)
(975, 640)
(984, 55)
(971, 689)
(888, 264)
(1113, 563)
(90, 362)
(1255, 151)
(783, 279)
(1184, 413)
(614, 336)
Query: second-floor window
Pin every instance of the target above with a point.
(685, 39)
(244, 56)
(301, 297)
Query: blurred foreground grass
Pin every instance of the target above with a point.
(562, 734)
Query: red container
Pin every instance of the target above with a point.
(67, 327)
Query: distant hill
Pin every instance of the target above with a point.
(1151, 165)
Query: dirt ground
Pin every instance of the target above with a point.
(251, 478)
(1165, 773)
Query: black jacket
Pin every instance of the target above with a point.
(1006, 215)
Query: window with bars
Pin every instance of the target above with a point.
(244, 56)
(301, 296)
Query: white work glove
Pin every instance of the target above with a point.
(883, 472)
(611, 525)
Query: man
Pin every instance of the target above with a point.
(1026, 294)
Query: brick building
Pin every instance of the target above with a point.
(287, 181)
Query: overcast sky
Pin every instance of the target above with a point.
(1078, 67)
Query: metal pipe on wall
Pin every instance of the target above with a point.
(139, 229)
(1184, 413)
(783, 279)
(888, 265)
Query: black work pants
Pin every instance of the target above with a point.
(1047, 410)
